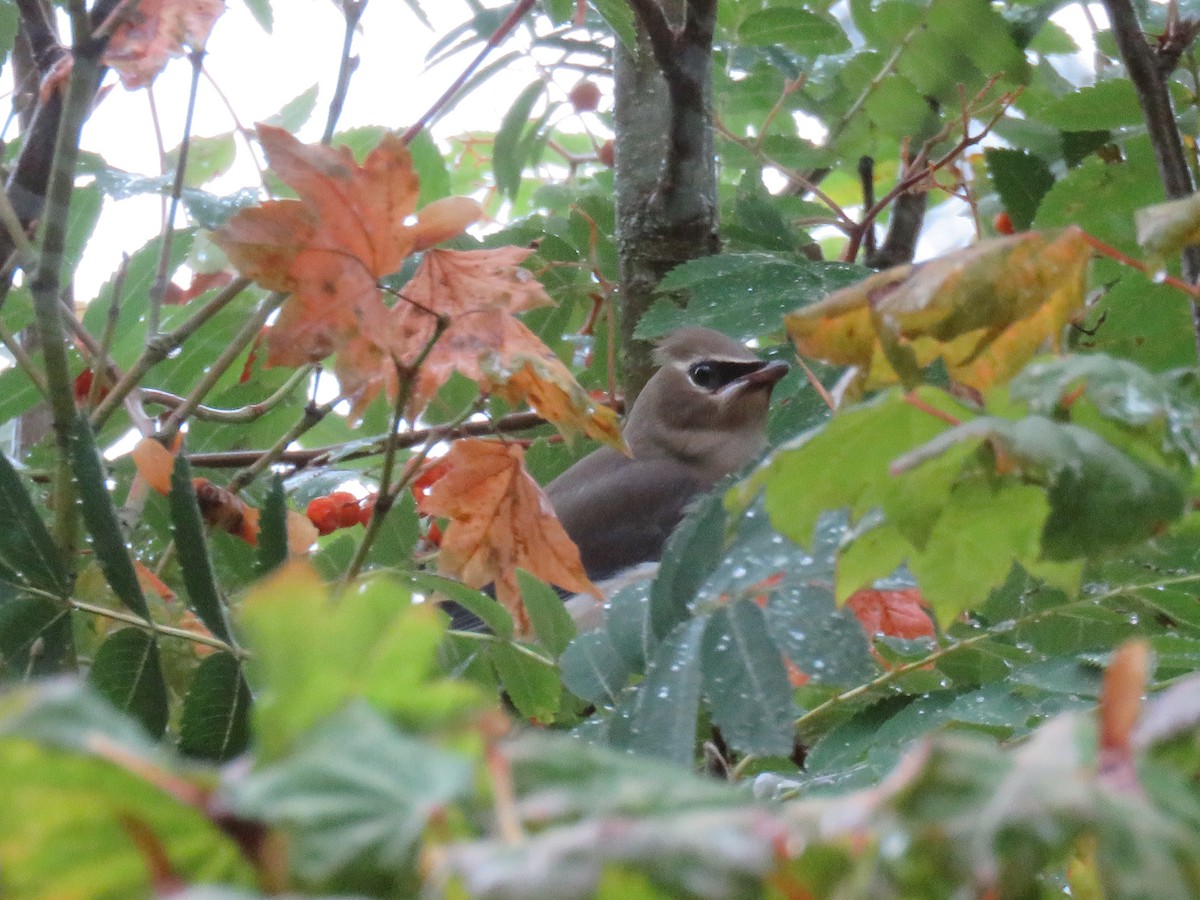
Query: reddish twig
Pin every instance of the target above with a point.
(502, 31)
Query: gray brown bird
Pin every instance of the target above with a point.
(700, 417)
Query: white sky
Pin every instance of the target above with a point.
(261, 72)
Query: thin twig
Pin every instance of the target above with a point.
(240, 415)
(214, 372)
(159, 289)
(502, 31)
(154, 627)
(161, 346)
(352, 11)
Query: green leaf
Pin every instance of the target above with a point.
(430, 167)
(1099, 107)
(28, 554)
(208, 158)
(1021, 180)
(1099, 497)
(619, 16)
(191, 546)
(691, 553)
(593, 669)
(127, 672)
(354, 799)
(745, 684)
(765, 285)
(261, 10)
(108, 540)
(798, 29)
(17, 394)
(868, 438)
(532, 686)
(495, 616)
(272, 529)
(216, 710)
(397, 536)
(312, 655)
(551, 622)
(982, 529)
(507, 159)
(297, 111)
(1119, 390)
(35, 636)
(663, 718)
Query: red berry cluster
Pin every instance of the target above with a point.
(340, 509)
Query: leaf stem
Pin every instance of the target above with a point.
(155, 628)
(383, 502)
(159, 289)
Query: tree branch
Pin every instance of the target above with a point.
(1143, 67)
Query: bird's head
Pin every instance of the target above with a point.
(706, 405)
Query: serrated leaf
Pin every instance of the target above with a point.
(216, 710)
(191, 546)
(867, 438)
(766, 286)
(108, 540)
(532, 686)
(28, 554)
(1099, 107)
(796, 28)
(127, 672)
(593, 669)
(745, 684)
(551, 622)
(311, 655)
(619, 17)
(297, 111)
(208, 158)
(354, 798)
(982, 529)
(691, 553)
(272, 528)
(664, 712)
(1021, 180)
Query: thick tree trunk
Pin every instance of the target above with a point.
(665, 167)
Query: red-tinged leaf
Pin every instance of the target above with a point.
(151, 582)
(897, 613)
(152, 31)
(500, 521)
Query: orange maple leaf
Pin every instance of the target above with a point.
(500, 521)
(353, 225)
(150, 32)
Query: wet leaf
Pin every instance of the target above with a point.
(500, 521)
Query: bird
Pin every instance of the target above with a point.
(701, 416)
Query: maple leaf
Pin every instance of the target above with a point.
(150, 32)
(985, 310)
(351, 226)
(500, 521)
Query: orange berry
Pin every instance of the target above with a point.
(323, 514)
(346, 506)
(1003, 223)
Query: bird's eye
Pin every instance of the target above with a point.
(705, 376)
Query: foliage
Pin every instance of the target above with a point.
(908, 648)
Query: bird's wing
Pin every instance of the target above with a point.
(620, 511)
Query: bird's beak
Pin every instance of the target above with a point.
(765, 376)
